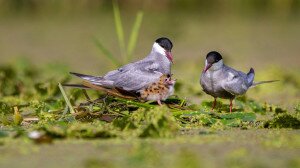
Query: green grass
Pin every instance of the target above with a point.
(126, 53)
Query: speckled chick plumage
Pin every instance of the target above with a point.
(159, 90)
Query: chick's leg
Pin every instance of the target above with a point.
(159, 102)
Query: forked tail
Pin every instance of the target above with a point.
(96, 80)
(262, 82)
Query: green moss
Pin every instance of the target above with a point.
(5, 108)
(91, 130)
(297, 108)
(35, 93)
(279, 110)
(283, 121)
(158, 123)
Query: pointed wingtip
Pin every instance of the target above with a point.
(76, 74)
(83, 76)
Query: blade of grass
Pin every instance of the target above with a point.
(65, 111)
(119, 28)
(134, 34)
(106, 53)
(66, 98)
(17, 116)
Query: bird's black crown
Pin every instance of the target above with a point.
(165, 43)
(213, 57)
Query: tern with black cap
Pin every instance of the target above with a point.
(136, 76)
(221, 81)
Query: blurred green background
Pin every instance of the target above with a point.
(263, 34)
(42, 40)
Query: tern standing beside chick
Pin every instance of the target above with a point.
(221, 81)
(137, 76)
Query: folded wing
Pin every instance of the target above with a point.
(131, 77)
(236, 82)
(134, 77)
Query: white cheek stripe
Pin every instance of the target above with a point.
(157, 48)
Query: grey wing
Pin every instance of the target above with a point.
(234, 82)
(135, 76)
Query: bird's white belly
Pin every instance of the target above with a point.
(212, 84)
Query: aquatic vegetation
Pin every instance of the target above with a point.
(34, 102)
(283, 121)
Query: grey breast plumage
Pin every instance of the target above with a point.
(226, 82)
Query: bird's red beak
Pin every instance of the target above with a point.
(207, 67)
(169, 55)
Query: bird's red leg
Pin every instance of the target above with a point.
(231, 105)
(159, 102)
(214, 104)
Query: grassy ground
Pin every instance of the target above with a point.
(262, 131)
